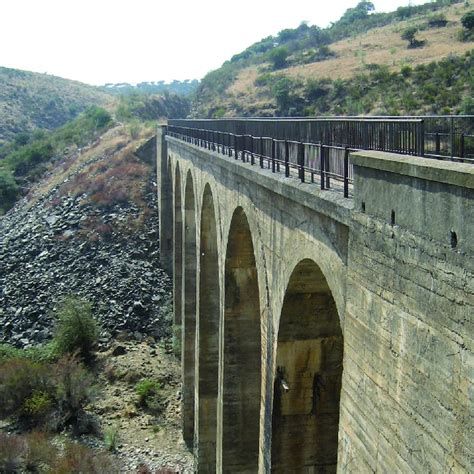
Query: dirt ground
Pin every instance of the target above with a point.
(144, 437)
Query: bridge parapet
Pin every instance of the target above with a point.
(429, 197)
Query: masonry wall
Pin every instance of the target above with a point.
(407, 394)
(398, 260)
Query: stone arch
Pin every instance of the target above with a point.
(208, 336)
(241, 384)
(177, 253)
(307, 385)
(189, 316)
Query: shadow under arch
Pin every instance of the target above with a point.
(207, 337)
(307, 386)
(241, 351)
(189, 319)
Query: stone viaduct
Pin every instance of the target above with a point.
(319, 333)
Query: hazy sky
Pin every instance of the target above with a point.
(99, 41)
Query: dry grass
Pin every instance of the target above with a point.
(385, 46)
(112, 141)
(382, 46)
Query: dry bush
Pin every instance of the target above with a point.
(39, 451)
(79, 458)
(74, 390)
(20, 381)
(110, 373)
(120, 179)
(12, 449)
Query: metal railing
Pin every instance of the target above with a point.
(306, 161)
(395, 135)
(313, 150)
(433, 136)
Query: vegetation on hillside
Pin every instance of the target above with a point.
(182, 88)
(31, 101)
(25, 159)
(148, 107)
(280, 61)
(444, 87)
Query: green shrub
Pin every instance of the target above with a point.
(177, 336)
(150, 395)
(278, 57)
(134, 129)
(467, 20)
(38, 405)
(111, 437)
(9, 189)
(39, 353)
(264, 79)
(76, 329)
(219, 112)
(20, 379)
(437, 20)
(409, 34)
(51, 395)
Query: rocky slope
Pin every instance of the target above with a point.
(62, 243)
(90, 228)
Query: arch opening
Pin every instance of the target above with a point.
(189, 320)
(208, 337)
(177, 263)
(307, 386)
(241, 352)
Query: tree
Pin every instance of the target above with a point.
(278, 57)
(281, 91)
(8, 189)
(360, 11)
(467, 21)
(437, 21)
(409, 35)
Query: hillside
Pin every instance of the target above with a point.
(348, 67)
(30, 101)
(89, 228)
(183, 88)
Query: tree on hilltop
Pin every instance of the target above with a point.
(359, 12)
(278, 57)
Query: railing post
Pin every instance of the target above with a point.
(346, 172)
(461, 145)
(452, 138)
(243, 147)
(252, 157)
(438, 143)
(260, 149)
(327, 168)
(229, 145)
(273, 155)
(287, 159)
(422, 138)
(301, 161)
(322, 159)
(236, 147)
